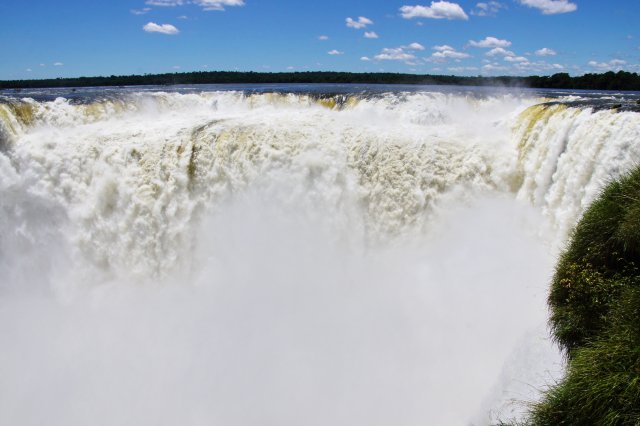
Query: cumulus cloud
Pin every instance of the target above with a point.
(450, 54)
(507, 55)
(539, 66)
(613, 65)
(205, 4)
(165, 3)
(362, 22)
(217, 4)
(499, 51)
(490, 8)
(402, 53)
(413, 46)
(444, 53)
(551, 7)
(394, 54)
(494, 66)
(335, 52)
(365, 58)
(168, 29)
(437, 10)
(442, 48)
(141, 11)
(58, 64)
(462, 69)
(515, 59)
(370, 34)
(545, 51)
(323, 38)
(490, 42)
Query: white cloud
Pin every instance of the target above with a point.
(490, 42)
(613, 65)
(176, 67)
(205, 4)
(291, 68)
(183, 17)
(217, 4)
(450, 54)
(58, 64)
(168, 29)
(370, 34)
(402, 53)
(515, 59)
(444, 53)
(394, 54)
(165, 3)
(551, 7)
(539, 66)
(462, 69)
(545, 51)
(442, 48)
(499, 51)
(335, 52)
(362, 22)
(323, 38)
(437, 10)
(28, 70)
(494, 67)
(490, 8)
(365, 58)
(141, 11)
(413, 46)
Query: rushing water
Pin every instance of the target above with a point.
(343, 255)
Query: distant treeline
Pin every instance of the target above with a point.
(621, 80)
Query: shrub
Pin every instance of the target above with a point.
(595, 315)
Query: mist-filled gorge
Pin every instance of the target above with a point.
(259, 258)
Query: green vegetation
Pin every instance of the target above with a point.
(595, 304)
(608, 81)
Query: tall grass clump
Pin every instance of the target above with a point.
(595, 315)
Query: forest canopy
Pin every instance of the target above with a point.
(621, 80)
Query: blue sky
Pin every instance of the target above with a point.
(69, 38)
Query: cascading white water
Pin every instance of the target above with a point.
(567, 155)
(287, 259)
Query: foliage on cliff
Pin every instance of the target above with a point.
(595, 315)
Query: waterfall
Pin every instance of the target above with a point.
(288, 258)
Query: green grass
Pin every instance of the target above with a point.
(595, 315)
